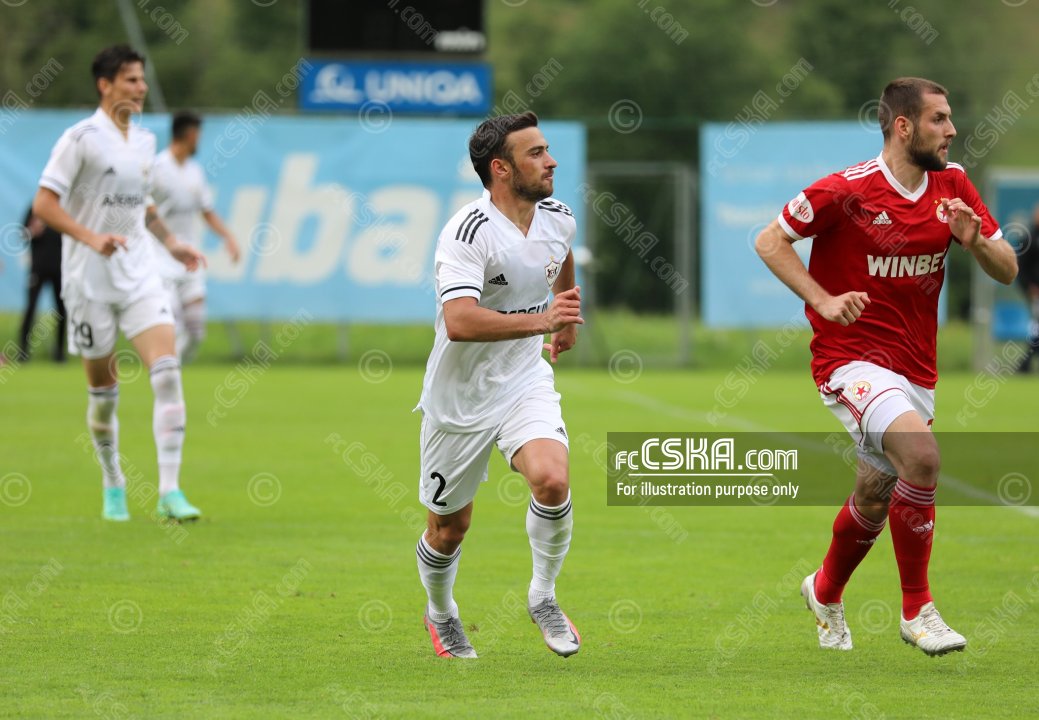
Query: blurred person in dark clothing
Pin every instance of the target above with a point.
(45, 248)
(1028, 276)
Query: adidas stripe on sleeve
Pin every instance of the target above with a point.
(461, 258)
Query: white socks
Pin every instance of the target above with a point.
(168, 420)
(549, 530)
(104, 430)
(437, 572)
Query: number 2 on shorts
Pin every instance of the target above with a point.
(443, 484)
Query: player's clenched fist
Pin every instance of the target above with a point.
(106, 243)
(844, 309)
(565, 310)
(189, 256)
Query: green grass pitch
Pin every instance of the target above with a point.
(297, 595)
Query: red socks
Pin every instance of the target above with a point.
(911, 515)
(853, 536)
(912, 529)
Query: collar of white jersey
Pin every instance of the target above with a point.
(166, 156)
(899, 188)
(103, 118)
(499, 217)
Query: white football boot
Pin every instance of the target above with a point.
(560, 634)
(829, 619)
(930, 633)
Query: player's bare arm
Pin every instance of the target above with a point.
(775, 248)
(47, 205)
(566, 338)
(468, 322)
(191, 258)
(218, 226)
(995, 257)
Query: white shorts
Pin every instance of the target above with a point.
(454, 464)
(187, 288)
(93, 325)
(867, 398)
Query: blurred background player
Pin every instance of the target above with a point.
(486, 382)
(94, 190)
(882, 230)
(181, 195)
(1028, 277)
(45, 268)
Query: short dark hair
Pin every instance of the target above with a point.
(109, 61)
(904, 97)
(489, 141)
(184, 121)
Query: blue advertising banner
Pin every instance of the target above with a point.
(336, 216)
(428, 88)
(748, 173)
(1013, 197)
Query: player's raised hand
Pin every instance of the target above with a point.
(189, 256)
(964, 223)
(106, 243)
(844, 309)
(565, 310)
(561, 341)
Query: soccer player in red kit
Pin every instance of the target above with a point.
(881, 232)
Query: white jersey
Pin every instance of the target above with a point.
(181, 195)
(102, 180)
(480, 253)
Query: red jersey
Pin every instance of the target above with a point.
(874, 236)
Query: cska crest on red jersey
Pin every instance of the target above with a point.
(940, 210)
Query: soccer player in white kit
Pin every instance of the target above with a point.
(181, 194)
(486, 383)
(94, 190)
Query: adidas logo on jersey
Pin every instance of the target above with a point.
(499, 280)
(882, 219)
(109, 171)
(561, 430)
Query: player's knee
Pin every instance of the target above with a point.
(447, 537)
(551, 485)
(923, 466)
(923, 470)
(165, 378)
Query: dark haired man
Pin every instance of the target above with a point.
(486, 383)
(881, 232)
(181, 194)
(94, 190)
